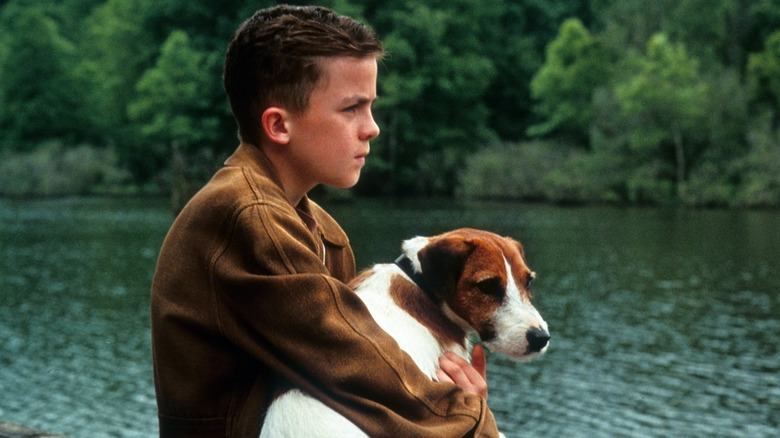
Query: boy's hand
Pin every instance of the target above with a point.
(471, 377)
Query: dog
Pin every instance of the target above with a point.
(438, 294)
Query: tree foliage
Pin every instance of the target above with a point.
(174, 100)
(764, 73)
(576, 65)
(664, 96)
(39, 96)
(432, 90)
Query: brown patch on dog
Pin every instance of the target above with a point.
(411, 298)
(442, 261)
(515, 256)
(482, 285)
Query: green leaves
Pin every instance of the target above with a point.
(432, 109)
(174, 98)
(764, 72)
(665, 96)
(576, 65)
(37, 87)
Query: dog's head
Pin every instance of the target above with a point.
(483, 284)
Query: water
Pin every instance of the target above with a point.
(664, 322)
(74, 286)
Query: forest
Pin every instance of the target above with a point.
(646, 102)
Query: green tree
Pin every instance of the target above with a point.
(173, 100)
(432, 111)
(123, 41)
(517, 45)
(719, 32)
(459, 75)
(174, 105)
(563, 88)
(116, 49)
(38, 92)
(663, 99)
(628, 25)
(764, 74)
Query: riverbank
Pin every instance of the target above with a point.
(523, 172)
(10, 430)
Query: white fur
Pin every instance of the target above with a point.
(412, 337)
(411, 247)
(297, 415)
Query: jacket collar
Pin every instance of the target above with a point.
(252, 157)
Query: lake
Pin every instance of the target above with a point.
(664, 322)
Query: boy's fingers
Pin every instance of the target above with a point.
(471, 373)
(462, 373)
(478, 360)
(442, 376)
(472, 370)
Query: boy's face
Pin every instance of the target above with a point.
(329, 140)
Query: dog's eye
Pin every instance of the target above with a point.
(491, 286)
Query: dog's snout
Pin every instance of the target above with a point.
(537, 339)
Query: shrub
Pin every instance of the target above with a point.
(651, 183)
(706, 186)
(759, 184)
(53, 170)
(587, 177)
(511, 171)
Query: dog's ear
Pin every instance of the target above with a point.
(442, 261)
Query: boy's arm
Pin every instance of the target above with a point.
(277, 301)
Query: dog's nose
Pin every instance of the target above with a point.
(537, 339)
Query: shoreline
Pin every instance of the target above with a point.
(11, 430)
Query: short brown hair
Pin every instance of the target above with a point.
(273, 59)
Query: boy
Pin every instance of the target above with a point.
(249, 294)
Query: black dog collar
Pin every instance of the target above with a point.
(406, 265)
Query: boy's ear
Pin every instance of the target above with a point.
(275, 123)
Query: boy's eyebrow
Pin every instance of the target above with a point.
(360, 100)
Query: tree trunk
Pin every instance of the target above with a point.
(392, 145)
(679, 152)
(181, 187)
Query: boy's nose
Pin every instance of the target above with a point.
(371, 130)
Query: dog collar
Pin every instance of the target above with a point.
(406, 265)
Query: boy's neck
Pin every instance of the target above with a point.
(284, 175)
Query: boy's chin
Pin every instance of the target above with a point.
(346, 183)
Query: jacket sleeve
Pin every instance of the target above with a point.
(277, 301)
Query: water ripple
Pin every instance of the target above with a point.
(664, 324)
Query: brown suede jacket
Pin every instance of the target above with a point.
(249, 294)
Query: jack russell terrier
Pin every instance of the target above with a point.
(441, 290)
